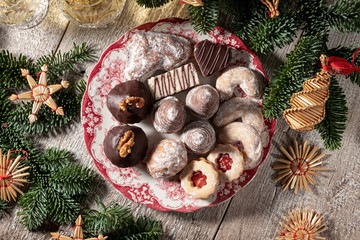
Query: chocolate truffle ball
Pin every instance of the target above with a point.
(167, 159)
(203, 101)
(199, 137)
(125, 146)
(169, 115)
(129, 102)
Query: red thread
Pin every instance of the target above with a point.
(32, 93)
(3, 177)
(301, 229)
(58, 237)
(26, 75)
(76, 226)
(53, 110)
(34, 114)
(37, 76)
(341, 66)
(271, 13)
(17, 96)
(302, 171)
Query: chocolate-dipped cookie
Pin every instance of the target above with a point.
(169, 115)
(125, 146)
(199, 137)
(129, 102)
(211, 57)
(203, 101)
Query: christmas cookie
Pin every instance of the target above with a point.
(228, 161)
(175, 81)
(199, 178)
(199, 137)
(169, 115)
(234, 77)
(239, 108)
(129, 102)
(167, 159)
(211, 57)
(203, 101)
(125, 146)
(148, 52)
(247, 137)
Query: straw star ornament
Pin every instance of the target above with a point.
(40, 93)
(296, 170)
(10, 177)
(78, 233)
(302, 225)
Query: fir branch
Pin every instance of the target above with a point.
(10, 75)
(60, 63)
(72, 179)
(3, 205)
(117, 223)
(106, 219)
(205, 17)
(334, 124)
(34, 209)
(152, 3)
(301, 65)
(344, 16)
(48, 120)
(5, 108)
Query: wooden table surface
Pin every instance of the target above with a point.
(254, 212)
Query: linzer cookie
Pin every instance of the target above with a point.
(174, 81)
(211, 57)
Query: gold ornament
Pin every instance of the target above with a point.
(40, 93)
(296, 171)
(78, 233)
(308, 106)
(10, 178)
(195, 3)
(273, 7)
(302, 225)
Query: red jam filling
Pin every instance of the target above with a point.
(199, 179)
(224, 162)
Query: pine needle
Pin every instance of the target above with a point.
(152, 3)
(205, 17)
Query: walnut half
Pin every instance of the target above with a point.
(125, 144)
(137, 101)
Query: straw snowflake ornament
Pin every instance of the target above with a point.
(40, 93)
(296, 171)
(195, 3)
(10, 177)
(302, 225)
(78, 233)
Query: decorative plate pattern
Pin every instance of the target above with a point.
(135, 183)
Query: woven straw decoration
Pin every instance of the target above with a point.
(308, 106)
(40, 93)
(273, 7)
(78, 233)
(195, 3)
(10, 177)
(302, 225)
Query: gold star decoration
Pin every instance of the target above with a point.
(301, 163)
(302, 225)
(78, 233)
(40, 93)
(10, 177)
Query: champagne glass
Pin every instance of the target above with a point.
(22, 13)
(91, 13)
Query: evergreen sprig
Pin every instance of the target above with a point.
(205, 17)
(3, 205)
(152, 3)
(117, 222)
(344, 16)
(334, 124)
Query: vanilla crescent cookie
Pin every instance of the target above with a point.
(233, 77)
(228, 161)
(199, 178)
(167, 159)
(148, 52)
(239, 108)
(248, 136)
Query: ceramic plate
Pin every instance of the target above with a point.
(134, 182)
